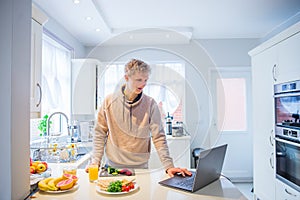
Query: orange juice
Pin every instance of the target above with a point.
(70, 170)
(93, 173)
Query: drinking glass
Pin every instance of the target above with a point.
(93, 173)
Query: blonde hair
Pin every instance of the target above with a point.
(136, 65)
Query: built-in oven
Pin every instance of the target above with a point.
(288, 162)
(287, 132)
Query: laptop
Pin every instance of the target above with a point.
(208, 170)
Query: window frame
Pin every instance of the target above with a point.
(101, 82)
(232, 72)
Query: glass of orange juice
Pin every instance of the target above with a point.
(93, 173)
(70, 170)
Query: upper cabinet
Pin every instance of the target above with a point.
(36, 65)
(84, 87)
(38, 19)
(288, 59)
(285, 61)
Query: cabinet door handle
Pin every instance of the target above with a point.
(274, 72)
(40, 91)
(271, 139)
(290, 193)
(271, 160)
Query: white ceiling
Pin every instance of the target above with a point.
(198, 19)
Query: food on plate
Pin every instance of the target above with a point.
(41, 168)
(115, 186)
(112, 185)
(52, 184)
(32, 169)
(43, 184)
(71, 176)
(64, 182)
(38, 166)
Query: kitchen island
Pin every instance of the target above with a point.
(149, 189)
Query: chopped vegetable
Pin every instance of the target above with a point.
(115, 186)
(111, 170)
(115, 173)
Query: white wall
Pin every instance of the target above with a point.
(232, 54)
(201, 56)
(15, 23)
(59, 31)
(197, 63)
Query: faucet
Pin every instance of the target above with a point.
(55, 113)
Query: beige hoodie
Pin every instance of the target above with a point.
(127, 129)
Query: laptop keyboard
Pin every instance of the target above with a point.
(186, 182)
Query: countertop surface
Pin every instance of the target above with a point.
(147, 180)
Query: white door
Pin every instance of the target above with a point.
(231, 91)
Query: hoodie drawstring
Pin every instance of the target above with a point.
(130, 112)
(123, 107)
(130, 117)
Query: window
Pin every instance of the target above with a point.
(231, 93)
(56, 80)
(169, 95)
(235, 104)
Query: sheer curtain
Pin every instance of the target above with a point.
(56, 77)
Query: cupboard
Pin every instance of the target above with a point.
(37, 22)
(84, 87)
(179, 148)
(273, 62)
(284, 191)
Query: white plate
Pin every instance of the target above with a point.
(34, 178)
(112, 193)
(75, 187)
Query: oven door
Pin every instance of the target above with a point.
(288, 162)
(287, 117)
(287, 109)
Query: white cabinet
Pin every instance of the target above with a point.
(273, 62)
(285, 192)
(179, 148)
(288, 59)
(38, 19)
(263, 125)
(84, 84)
(36, 67)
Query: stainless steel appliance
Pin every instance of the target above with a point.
(288, 162)
(287, 132)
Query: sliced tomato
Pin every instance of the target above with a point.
(127, 188)
(131, 185)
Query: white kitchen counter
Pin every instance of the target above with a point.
(148, 189)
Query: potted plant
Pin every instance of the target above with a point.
(43, 125)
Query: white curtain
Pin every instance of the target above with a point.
(56, 77)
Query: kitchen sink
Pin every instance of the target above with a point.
(62, 154)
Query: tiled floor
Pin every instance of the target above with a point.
(245, 188)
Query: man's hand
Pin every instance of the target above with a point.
(183, 171)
